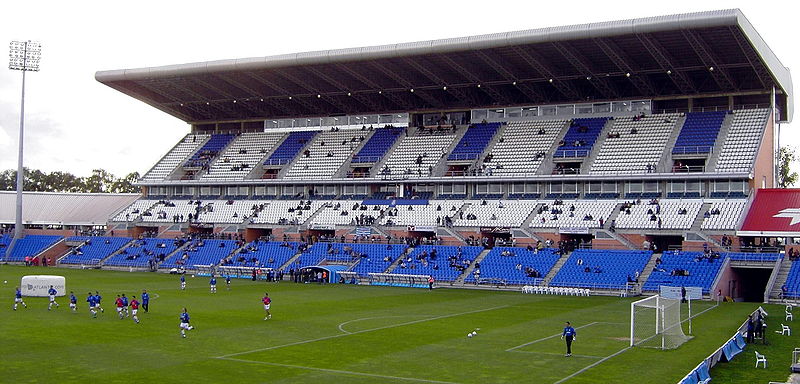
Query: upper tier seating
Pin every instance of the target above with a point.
(326, 154)
(701, 272)
(289, 148)
(165, 211)
(415, 155)
(581, 136)
(523, 146)
(514, 265)
(141, 252)
(222, 211)
(209, 150)
(97, 249)
(378, 257)
(741, 145)
(449, 263)
(699, 132)
(607, 269)
(242, 156)
(669, 214)
(264, 254)
(286, 211)
(573, 214)
(626, 151)
(175, 157)
(28, 246)
(348, 212)
(377, 145)
(134, 210)
(421, 214)
(474, 141)
(728, 216)
(490, 214)
(209, 253)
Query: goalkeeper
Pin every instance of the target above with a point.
(569, 334)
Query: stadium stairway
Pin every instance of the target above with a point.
(55, 251)
(258, 168)
(547, 165)
(286, 167)
(117, 252)
(711, 163)
(665, 163)
(598, 144)
(619, 238)
(646, 271)
(376, 168)
(780, 280)
(342, 171)
(397, 261)
(460, 279)
(440, 168)
(444, 231)
(698, 221)
(179, 249)
(556, 267)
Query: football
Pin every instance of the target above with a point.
(469, 335)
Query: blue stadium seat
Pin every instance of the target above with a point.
(585, 130)
(699, 132)
(496, 266)
(614, 267)
(377, 145)
(289, 148)
(474, 141)
(701, 273)
(28, 246)
(96, 250)
(141, 252)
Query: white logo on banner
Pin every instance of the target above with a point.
(790, 213)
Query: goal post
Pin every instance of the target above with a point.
(656, 323)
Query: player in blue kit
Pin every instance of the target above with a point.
(52, 293)
(92, 300)
(145, 301)
(185, 323)
(97, 300)
(569, 333)
(18, 299)
(73, 302)
(228, 282)
(183, 282)
(124, 305)
(213, 283)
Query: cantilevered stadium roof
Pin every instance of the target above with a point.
(46, 208)
(700, 54)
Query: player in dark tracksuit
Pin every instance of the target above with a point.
(569, 334)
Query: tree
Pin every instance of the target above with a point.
(99, 182)
(786, 156)
(125, 184)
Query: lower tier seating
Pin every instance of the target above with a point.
(600, 269)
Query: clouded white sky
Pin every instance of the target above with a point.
(75, 124)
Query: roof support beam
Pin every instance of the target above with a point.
(497, 96)
(719, 74)
(565, 88)
(227, 94)
(175, 100)
(667, 64)
(600, 83)
(311, 108)
(501, 69)
(398, 101)
(434, 102)
(615, 54)
(423, 69)
(762, 73)
(342, 107)
(365, 101)
(238, 84)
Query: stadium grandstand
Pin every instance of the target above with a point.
(616, 156)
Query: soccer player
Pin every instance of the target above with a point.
(73, 301)
(52, 293)
(213, 283)
(183, 282)
(97, 300)
(185, 323)
(125, 305)
(570, 334)
(134, 309)
(145, 301)
(119, 304)
(267, 301)
(92, 300)
(228, 282)
(18, 299)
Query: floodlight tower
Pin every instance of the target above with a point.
(22, 56)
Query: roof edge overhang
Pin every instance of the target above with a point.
(707, 19)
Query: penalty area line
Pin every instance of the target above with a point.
(592, 365)
(373, 318)
(548, 337)
(338, 371)
(362, 331)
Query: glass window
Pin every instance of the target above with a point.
(496, 114)
(556, 188)
(549, 110)
(481, 188)
(513, 112)
(583, 109)
(652, 186)
(621, 106)
(601, 107)
(478, 115)
(459, 188)
(272, 190)
(568, 109)
(530, 112)
(532, 188)
(635, 187)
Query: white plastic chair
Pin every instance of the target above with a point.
(789, 316)
(761, 359)
(785, 330)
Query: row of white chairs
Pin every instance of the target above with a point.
(562, 291)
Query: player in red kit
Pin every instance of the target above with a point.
(120, 306)
(267, 301)
(134, 309)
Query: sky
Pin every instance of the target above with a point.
(75, 124)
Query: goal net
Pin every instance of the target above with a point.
(656, 323)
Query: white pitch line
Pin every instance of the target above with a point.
(548, 337)
(361, 331)
(339, 371)
(372, 318)
(559, 354)
(592, 365)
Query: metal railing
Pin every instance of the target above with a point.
(462, 156)
(692, 149)
(571, 153)
(366, 159)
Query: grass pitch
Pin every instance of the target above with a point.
(340, 334)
